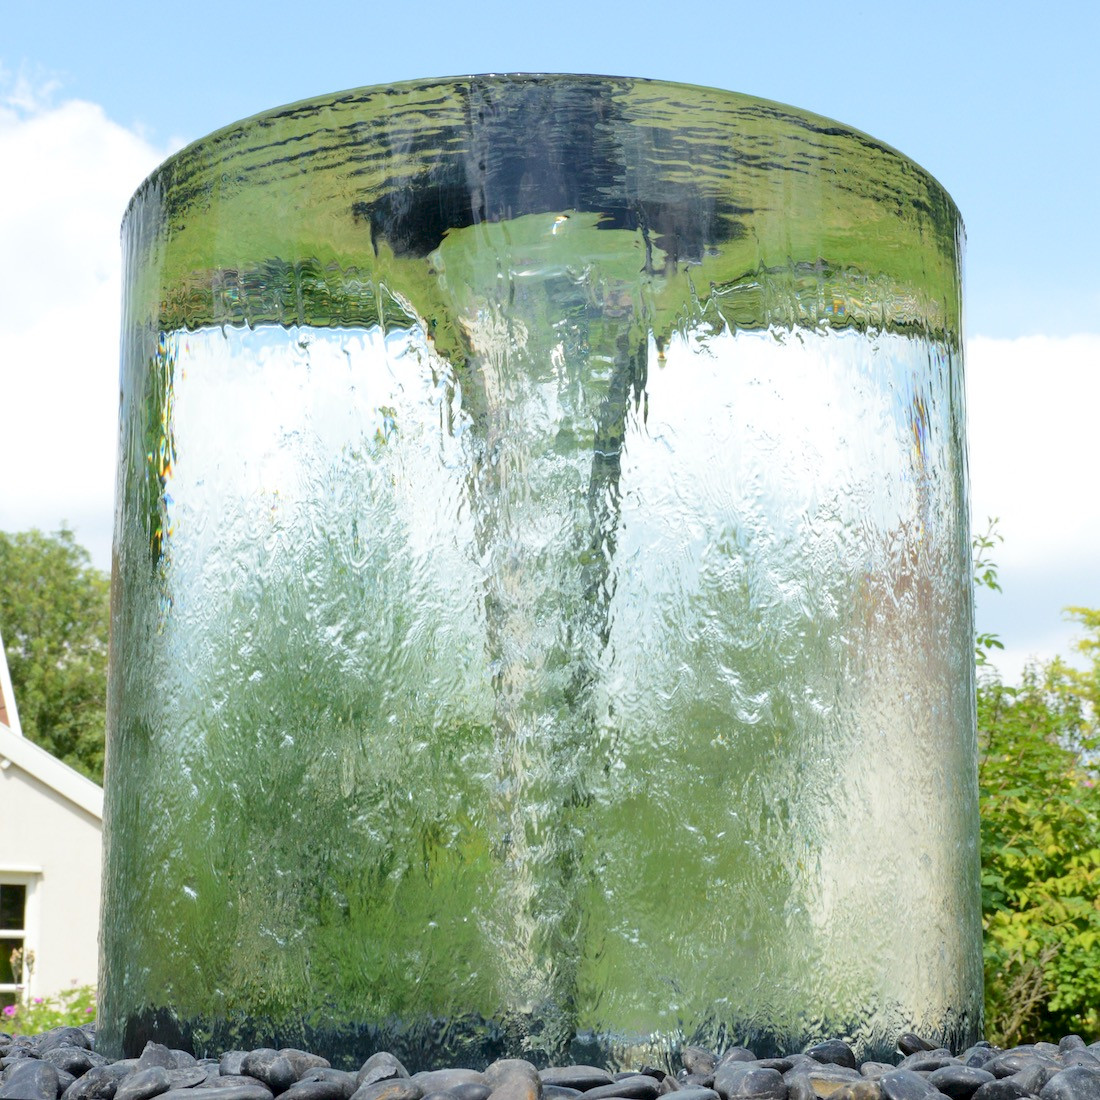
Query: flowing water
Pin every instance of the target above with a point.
(542, 615)
(453, 711)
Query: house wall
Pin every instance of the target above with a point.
(40, 828)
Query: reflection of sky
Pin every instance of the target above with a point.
(782, 434)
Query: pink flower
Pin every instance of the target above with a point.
(9, 1010)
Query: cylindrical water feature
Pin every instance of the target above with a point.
(542, 607)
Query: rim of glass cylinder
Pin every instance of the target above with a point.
(786, 215)
(522, 76)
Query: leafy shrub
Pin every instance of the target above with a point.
(74, 1007)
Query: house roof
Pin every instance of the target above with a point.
(35, 760)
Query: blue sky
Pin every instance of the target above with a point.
(1000, 101)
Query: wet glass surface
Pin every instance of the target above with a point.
(542, 612)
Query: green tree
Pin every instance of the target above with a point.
(54, 616)
(1040, 822)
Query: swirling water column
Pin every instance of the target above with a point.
(542, 612)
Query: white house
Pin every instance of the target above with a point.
(51, 825)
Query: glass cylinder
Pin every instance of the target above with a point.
(542, 606)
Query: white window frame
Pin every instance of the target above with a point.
(29, 877)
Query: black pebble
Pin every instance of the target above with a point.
(635, 1086)
(1075, 1083)
(575, 1077)
(270, 1067)
(913, 1044)
(1004, 1088)
(382, 1066)
(959, 1082)
(143, 1084)
(834, 1052)
(316, 1090)
(906, 1084)
(698, 1060)
(30, 1079)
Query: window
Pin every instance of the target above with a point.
(19, 900)
(13, 940)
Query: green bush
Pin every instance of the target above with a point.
(74, 1007)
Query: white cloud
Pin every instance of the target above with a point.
(1032, 405)
(68, 174)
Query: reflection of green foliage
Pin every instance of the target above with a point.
(54, 614)
(739, 210)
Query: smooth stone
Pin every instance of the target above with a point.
(822, 1080)
(226, 1080)
(1075, 1083)
(444, 1080)
(30, 1079)
(1051, 1050)
(1002, 1088)
(188, 1077)
(302, 1060)
(866, 1089)
(64, 1037)
(697, 1094)
(230, 1063)
(698, 1080)
(316, 1090)
(504, 1069)
(929, 1060)
(1011, 1062)
(1078, 1056)
(327, 1073)
(471, 1090)
(144, 1084)
(575, 1077)
(668, 1085)
(906, 1084)
(1071, 1042)
(228, 1092)
(959, 1082)
(74, 1060)
(875, 1070)
(400, 1088)
(64, 1080)
(1035, 1076)
(270, 1067)
(156, 1054)
(698, 1059)
(833, 1052)
(636, 1086)
(780, 1064)
(516, 1084)
(909, 1043)
(99, 1083)
(978, 1057)
(735, 1054)
(382, 1066)
(744, 1081)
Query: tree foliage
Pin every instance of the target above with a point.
(1040, 821)
(54, 616)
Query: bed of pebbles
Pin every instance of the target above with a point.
(63, 1064)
